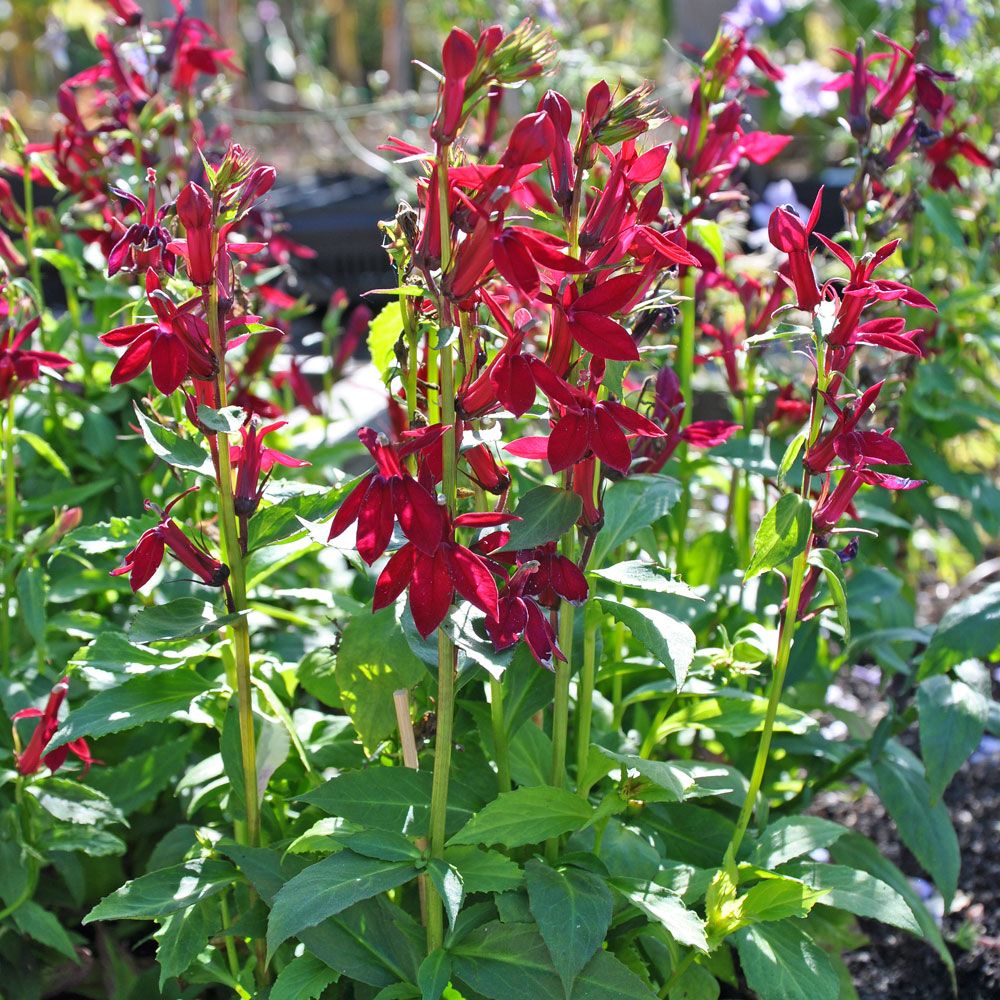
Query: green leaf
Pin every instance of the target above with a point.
(184, 618)
(434, 974)
(42, 926)
(953, 716)
(792, 837)
(176, 451)
(380, 844)
(645, 576)
(31, 597)
(629, 506)
(546, 514)
(484, 871)
(778, 899)
(666, 909)
(833, 569)
(227, 420)
(858, 852)
(448, 883)
(605, 978)
(782, 534)
(392, 798)
(857, 892)
(182, 937)
(503, 961)
(373, 661)
(383, 332)
(327, 888)
(941, 216)
(146, 698)
(925, 829)
(968, 630)
(304, 978)
(282, 520)
(525, 816)
(73, 802)
(136, 781)
(781, 963)
(791, 453)
(666, 639)
(44, 450)
(573, 911)
(316, 674)
(165, 891)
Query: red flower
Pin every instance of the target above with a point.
(458, 59)
(144, 243)
(252, 460)
(19, 367)
(861, 449)
(434, 576)
(821, 454)
(128, 12)
(788, 234)
(144, 560)
(174, 345)
(943, 175)
(30, 760)
(587, 317)
(390, 493)
(583, 427)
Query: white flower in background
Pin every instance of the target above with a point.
(801, 91)
(774, 195)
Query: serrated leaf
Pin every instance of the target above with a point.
(448, 883)
(782, 534)
(181, 939)
(165, 891)
(146, 698)
(546, 514)
(434, 974)
(42, 926)
(968, 630)
(666, 908)
(525, 816)
(645, 576)
(73, 802)
(329, 887)
(778, 899)
(482, 870)
(304, 978)
(227, 420)
(665, 638)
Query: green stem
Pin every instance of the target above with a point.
(773, 699)
(585, 697)
(675, 976)
(500, 750)
(231, 956)
(685, 374)
(446, 648)
(9, 529)
(232, 553)
(560, 702)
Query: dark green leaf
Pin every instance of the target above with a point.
(165, 891)
(546, 514)
(448, 883)
(484, 871)
(176, 451)
(833, 569)
(666, 908)
(327, 888)
(145, 698)
(31, 596)
(184, 618)
(434, 974)
(304, 978)
(504, 961)
(630, 505)
(181, 939)
(782, 534)
(573, 911)
(42, 926)
(605, 978)
(792, 837)
(781, 963)
(73, 802)
(968, 630)
(228, 420)
(953, 716)
(666, 639)
(525, 816)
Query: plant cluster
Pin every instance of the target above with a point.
(533, 701)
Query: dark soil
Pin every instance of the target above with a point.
(898, 966)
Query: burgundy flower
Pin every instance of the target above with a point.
(955, 143)
(128, 12)
(174, 345)
(818, 457)
(587, 319)
(144, 243)
(252, 459)
(389, 493)
(487, 471)
(144, 560)
(432, 577)
(20, 367)
(520, 616)
(458, 59)
(31, 758)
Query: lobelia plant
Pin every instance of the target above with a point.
(529, 704)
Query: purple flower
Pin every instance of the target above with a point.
(774, 196)
(801, 91)
(748, 14)
(953, 19)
